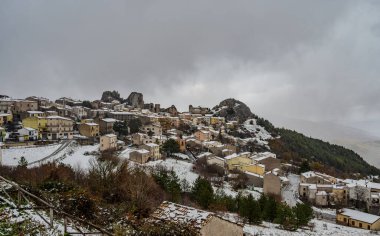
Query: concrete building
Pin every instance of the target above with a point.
(27, 134)
(267, 159)
(5, 118)
(358, 219)
(106, 125)
(58, 127)
(154, 150)
(89, 130)
(154, 129)
(272, 184)
(108, 142)
(234, 161)
(202, 135)
(312, 177)
(140, 156)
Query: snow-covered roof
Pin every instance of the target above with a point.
(361, 182)
(91, 124)
(58, 117)
(142, 151)
(253, 174)
(233, 155)
(29, 129)
(205, 154)
(176, 213)
(152, 145)
(122, 113)
(109, 120)
(4, 114)
(360, 216)
(35, 112)
(111, 135)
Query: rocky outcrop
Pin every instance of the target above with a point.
(136, 100)
(172, 110)
(233, 109)
(109, 96)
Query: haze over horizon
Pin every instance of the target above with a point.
(316, 61)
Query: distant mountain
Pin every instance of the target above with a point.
(363, 143)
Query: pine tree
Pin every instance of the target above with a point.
(270, 209)
(173, 187)
(22, 162)
(285, 217)
(304, 167)
(170, 146)
(202, 192)
(303, 213)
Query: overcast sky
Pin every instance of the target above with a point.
(311, 60)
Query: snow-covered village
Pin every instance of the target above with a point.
(119, 166)
(182, 118)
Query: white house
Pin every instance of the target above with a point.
(27, 134)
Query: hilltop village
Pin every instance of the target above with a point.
(208, 162)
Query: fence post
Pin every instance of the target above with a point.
(51, 217)
(64, 225)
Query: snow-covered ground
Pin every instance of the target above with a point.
(80, 156)
(290, 192)
(321, 228)
(183, 169)
(259, 131)
(12, 156)
(73, 154)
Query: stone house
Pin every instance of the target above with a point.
(154, 129)
(108, 142)
(106, 125)
(205, 223)
(312, 177)
(90, 130)
(154, 150)
(272, 184)
(267, 159)
(202, 135)
(140, 156)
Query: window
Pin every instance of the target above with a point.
(360, 225)
(345, 219)
(352, 222)
(368, 227)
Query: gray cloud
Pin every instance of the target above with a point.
(314, 60)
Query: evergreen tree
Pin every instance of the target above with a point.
(134, 125)
(22, 162)
(121, 127)
(303, 213)
(173, 187)
(270, 209)
(202, 192)
(249, 209)
(285, 217)
(170, 146)
(305, 167)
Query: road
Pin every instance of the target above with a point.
(58, 150)
(290, 192)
